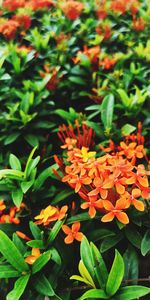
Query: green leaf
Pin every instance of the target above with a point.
(94, 294)
(28, 161)
(145, 245)
(43, 176)
(131, 264)
(36, 244)
(14, 162)
(79, 217)
(127, 129)
(32, 140)
(54, 231)
(133, 236)
(77, 80)
(86, 256)
(32, 165)
(110, 242)
(61, 196)
(107, 109)
(7, 271)
(17, 197)
(124, 97)
(43, 286)
(11, 138)
(132, 292)
(116, 275)
(25, 186)
(19, 288)
(55, 256)
(19, 244)
(99, 266)
(41, 261)
(11, 253)
(36, 232)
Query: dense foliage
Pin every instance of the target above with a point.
(74, 149)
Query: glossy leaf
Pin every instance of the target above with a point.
(94, 294)
(116, 275)
(11, 253)
(145, 245)
(19, 288)
(41, 261)
(132, 292)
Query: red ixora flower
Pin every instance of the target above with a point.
(72, 233)
(8, 28)
(12, 5)
(39, 4)
(139, 24)
(23, 20)
(72, 9)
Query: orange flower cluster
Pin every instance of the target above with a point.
(109, 184)
(92, 53)
(54, 80)
(8, 28)
(107, 63)
(72, 9)
(104, 31)
(51, 214)
(121, 6)
(33, 4)
(9, 217)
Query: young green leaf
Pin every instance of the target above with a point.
(19, 288)
(11, 253)
(17, 197)
(107, 109)
(116, 275)
(14, 162)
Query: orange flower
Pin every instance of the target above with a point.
(107, 63)
(115, 211)
(93, 204)
(131, 150)
(2, 206)
(72, 233)
(78, 181)
(51, 214)
(101, 187)
(8, 28)
(72, 9)
(69, 143)
(13, 5)
(23, 20)
(136, 193)
(91, 53)
(33, 257)
(139, 24)
(39, 4)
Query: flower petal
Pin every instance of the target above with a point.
(108, 217)
(122, 217)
